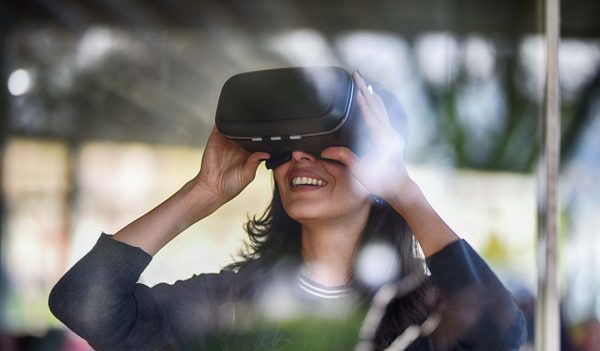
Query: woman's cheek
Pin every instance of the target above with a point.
(279, 174)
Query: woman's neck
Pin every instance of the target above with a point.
(328, 248)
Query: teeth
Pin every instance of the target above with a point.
(307, 181)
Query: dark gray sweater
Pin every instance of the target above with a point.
(100, 300)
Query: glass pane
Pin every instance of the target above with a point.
(109, 108)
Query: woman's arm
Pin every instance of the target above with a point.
(430, 230)
(99, 298)
(480, 313)
(226, 170)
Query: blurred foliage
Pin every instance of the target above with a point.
(514, 145)
(495, 251)
(294, 334)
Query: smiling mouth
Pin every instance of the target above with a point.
(307, 181)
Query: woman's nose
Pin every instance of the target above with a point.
(302, 156)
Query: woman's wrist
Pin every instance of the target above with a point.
(200, 200)
(432, 233)
(405, 195)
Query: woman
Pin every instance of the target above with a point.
(323, 211)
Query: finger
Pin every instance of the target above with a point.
(381, 111)
(343, 155)
(372, 122)
(215, 132)
(212, 135)
(254, 161)
(258, 157)
(367, 113)
(216, 137)
(368, 94)
(373, 100)
(360, 82)
(362, 85)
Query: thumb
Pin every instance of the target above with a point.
(253, 162)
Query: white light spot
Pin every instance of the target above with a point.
(377, 264)
(95, 44)
(437, 55)
(135, 171)
(19, 82)
(479, 57)
(378, 55)
(303, 47)
(533, 60)
(277, 302)
(578, 63)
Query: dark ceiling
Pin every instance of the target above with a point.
(580, 18)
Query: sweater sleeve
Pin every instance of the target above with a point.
(479, 312)
(100, 300)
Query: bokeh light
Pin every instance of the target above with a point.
(377, 264)
(19, 82)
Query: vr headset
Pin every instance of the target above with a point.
(299, 108)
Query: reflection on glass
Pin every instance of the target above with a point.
(472, 101)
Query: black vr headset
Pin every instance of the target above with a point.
(300, 108)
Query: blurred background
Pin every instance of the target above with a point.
(105, 106)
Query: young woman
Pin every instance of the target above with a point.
(324, 210)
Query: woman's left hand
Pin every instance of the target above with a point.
(381, 170)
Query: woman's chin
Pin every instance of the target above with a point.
(308, 212)
(305, 211)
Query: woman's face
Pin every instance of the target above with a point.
(313, 189)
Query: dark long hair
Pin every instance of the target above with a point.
(274, 235)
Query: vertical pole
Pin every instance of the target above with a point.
(547, 333)
(4, 126)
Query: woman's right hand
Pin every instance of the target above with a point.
(226, 167)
